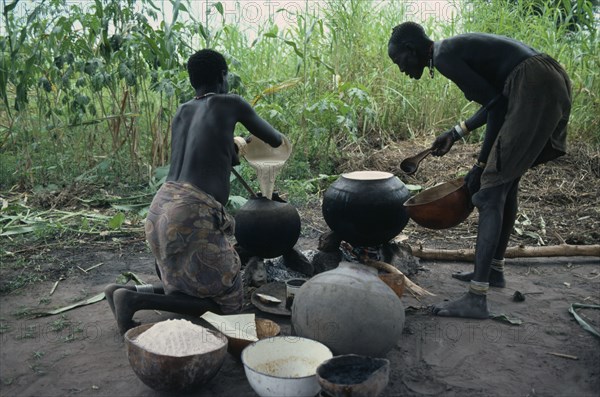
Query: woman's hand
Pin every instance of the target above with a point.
(240, 144)
(473, 179)
(444, 142)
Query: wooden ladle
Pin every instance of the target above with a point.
(243, 182)
(411, 164)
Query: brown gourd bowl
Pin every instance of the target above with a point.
(264, 329)
(169, 373)
(441, 207)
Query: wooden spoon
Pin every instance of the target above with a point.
(411, 164)
(243, 182)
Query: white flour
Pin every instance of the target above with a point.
(178, 338)
(267, 161)
(266, 172)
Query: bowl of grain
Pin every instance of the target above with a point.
(284, 366)
(175, 355)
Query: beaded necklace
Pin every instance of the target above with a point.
(204, 95)
(431, 69)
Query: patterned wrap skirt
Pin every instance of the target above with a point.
(187, 229)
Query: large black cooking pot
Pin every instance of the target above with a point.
(365, 208)
(267, 228)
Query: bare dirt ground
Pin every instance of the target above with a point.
(79, 352)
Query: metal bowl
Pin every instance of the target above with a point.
(168, 373)
(264, 329)
(284, 366)
(442, 206)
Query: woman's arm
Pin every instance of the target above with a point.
(481, 116)
(256, 125)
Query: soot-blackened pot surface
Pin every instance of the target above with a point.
(366, 212)
(267, 228)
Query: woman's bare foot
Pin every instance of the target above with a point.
(468, 306)
(496, 278)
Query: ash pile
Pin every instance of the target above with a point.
(331, 250)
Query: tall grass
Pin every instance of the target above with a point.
(88, 94)
(576, 47)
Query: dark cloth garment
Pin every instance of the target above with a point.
(535, 127)
(186, 230)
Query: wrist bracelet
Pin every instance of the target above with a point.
(459, 130)
(455, 135)
(463, 125)
(480, 164)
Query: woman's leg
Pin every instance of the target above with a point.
(490, 203)
(508, 222)
(496, 277)
(110, 289)
(127, 302)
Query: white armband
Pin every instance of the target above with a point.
(459, 130)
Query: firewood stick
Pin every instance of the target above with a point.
(54, 287)
(412, 287)
(93, 267)
(564, 355)
(512, 252)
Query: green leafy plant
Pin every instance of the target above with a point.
(95, 104)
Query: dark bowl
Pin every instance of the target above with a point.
(169, 373)
(354, 375)
(442, 206)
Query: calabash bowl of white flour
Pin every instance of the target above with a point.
(175, 355)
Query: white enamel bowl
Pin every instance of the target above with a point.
(284, 366)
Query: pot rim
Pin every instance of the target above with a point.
(382, 175)
(435, 193)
